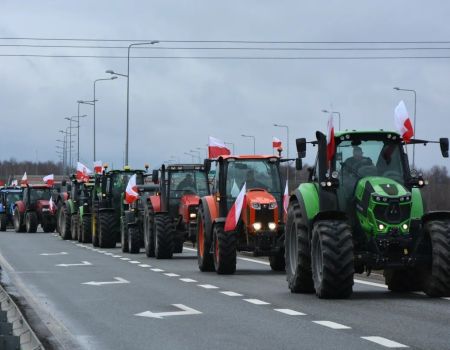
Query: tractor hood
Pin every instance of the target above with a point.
(43, 205)
(190, 199)
(259, 196)
(381, 186)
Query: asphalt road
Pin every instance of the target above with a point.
(183, 308)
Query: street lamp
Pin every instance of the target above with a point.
(254, 142)
(334, 112)
(414, 122)
(70, 139)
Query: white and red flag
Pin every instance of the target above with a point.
(235, 212)
(330, 139)
(51, 204)
(276, 142)
(98, 165)
(24, 180)
(83, 172)
(14, 183)
(131, 192)
(403, 123)
(217, 148)
(49, 180)
(286, 197)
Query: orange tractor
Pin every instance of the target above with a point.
(259, 228)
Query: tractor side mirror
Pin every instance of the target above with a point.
(298, 164)
(443, 142)
(207, 164)
(301, 147)
(155, 176)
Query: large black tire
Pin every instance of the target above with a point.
(224, 250)
(204, 257)
(332, 259)
(436, 278)
(48, 227)
(124, 233)
(3, 222)
(75, 227)
(64, 223)
(149, 236)
(106, 236)
(86, 234)
(58, 217)
(31, 222)
(95, 229)
(405, 280)
(277, 261)
(298, 252)
(134, 239)
(178, 242)
(164, 233)
(18, 225)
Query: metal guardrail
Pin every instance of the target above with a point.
(15, 332)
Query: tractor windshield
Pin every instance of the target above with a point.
(40, 194)
(12, 197)
(120, 181)
(188, 182)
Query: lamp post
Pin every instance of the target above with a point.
(254, 141)
(63, 152)
(78, 131)
(334, 112)
(231, 144)
(128, 90)
(414, 122)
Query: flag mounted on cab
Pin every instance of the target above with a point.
(276, 142)
(403, 122)
(217, 148)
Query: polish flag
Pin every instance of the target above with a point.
(51, 204)
(98, 165)
(216, 148)
(330, 139)
(235, 212)
(24, 180)
(403, 123)
(286, 197)
(82, 172)
(14, 183)
(131, 192)
(49, 180)
(276, 142)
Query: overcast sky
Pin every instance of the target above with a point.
(175, 104)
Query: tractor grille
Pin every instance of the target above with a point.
(393, 212)
(264, 215)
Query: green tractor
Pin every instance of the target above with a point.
(363, 210)
(107, 203)
(84, 203)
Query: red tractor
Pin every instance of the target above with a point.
(34, 210)
(260, 227)
(170, 219)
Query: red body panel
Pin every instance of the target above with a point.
(156, 203)
(21, 206)
(262, 197)
(186, 201)
(213, 207)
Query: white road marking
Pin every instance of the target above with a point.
(109, 254)
(83, 263)
(385, 342)
(51, 254)
(191, 249)
(186, 311)
(145, 265)
(187, 280)
(80, 245)
(125, 259)
(290, 312)
(255, 261)
(157, 270)
(118, 280)
(134, 262)
(332, 325)
(208, 286)
(256, 301)
(116, 256)
(170, 274)
(231, 294)
(101, 251)
(373, 284)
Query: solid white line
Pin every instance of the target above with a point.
(290, 312)
(145, 265)
(134, 262)
(157, 270)
(332, 325)
(385, 342)
(187, 280)
(373, 284)
(256, 301)
(208, 286)
(231, 294)
(255, 261)
(125, 259)
(170, 274)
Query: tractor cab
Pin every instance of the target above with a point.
(37, 194)
(8, 197)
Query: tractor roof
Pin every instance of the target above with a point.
(38, 186)
(249, 156)
(186, 166)
(126, 171)
(365, 132)
(10, 189)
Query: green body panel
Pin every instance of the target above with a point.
(71, 206)
(417, 209)
(81, 211)
(310, 198)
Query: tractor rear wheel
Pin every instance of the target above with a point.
(277, 261)
(86, 234)
(149, 236)
(204, 256)
(332, 259)
(106, 237)
(224, 250)
(75, 227)
(402, 280)
(134, 239)
(64, 223)
(164, 233)
(436, 278)
(178, 242)
(95, 227)
(31, 222)
(18, 225)
(124, 233)
(3, 222)
(298, 252)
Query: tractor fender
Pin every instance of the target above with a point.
(155, 203)
(21, 206)
(330, 215)
(210, 214)
(308, 198)
(436, 215)
(70, 206)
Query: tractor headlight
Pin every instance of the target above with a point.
(273, 205)
(256, 206)
(192, 215)
(381, 227)
(257, 226)
(272, 226)
(405, 226)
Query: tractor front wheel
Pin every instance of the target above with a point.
(124, 233)
(204, 256)
(332, 259)
(31, 222)
(64, 223)
(436, 278)
(18, 225)
(164, 233)
(149, 236)
(3, 222)
(224, 250)
(106, 237)
(74, 226)
(277, 261)
(86, 234)
(134, 239)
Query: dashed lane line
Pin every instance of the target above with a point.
(157, 270)
(290, 312)
(256, 301)
(170, 274)
(386, 342)
(188, 280)
(144, 265)
(231, 294)
(116, 256)
(332, 325)
(125, 259)
(207, 286)
(134, 262)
